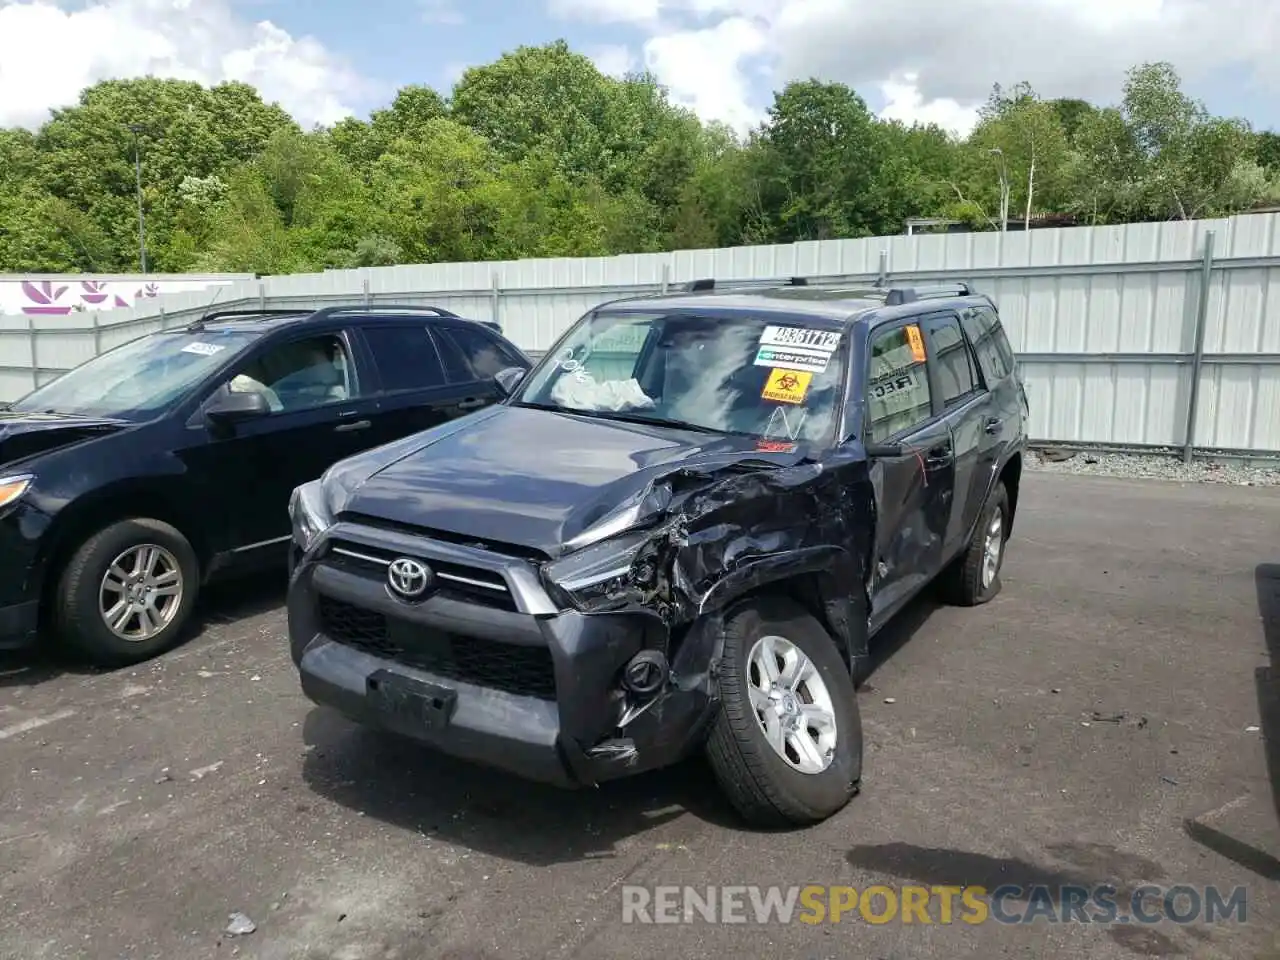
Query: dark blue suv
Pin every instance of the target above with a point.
(132, 480)
(679, 531)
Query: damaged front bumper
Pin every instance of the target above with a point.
(486, 669)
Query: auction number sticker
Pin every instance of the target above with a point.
(797, 348)
(787, 386)
(203, 349)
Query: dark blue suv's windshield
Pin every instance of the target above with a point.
(758, 375)
(140, 378)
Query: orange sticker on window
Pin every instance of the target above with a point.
(917, 343)
(787, 386)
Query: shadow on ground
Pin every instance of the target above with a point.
(222, 603)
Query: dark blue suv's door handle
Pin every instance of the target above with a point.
(475, 403)
(353, 427)
(993, 425)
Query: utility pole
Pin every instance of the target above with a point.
(136, 129)
(1004, 189)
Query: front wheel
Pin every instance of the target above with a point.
(786, 746)
(127, 593)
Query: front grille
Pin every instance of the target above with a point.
(473, 584)
(524, 671)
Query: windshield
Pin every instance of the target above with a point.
(138, 379)
(742, 374)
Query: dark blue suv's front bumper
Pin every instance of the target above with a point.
(536, 694)
(21, 527)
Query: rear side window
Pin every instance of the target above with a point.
(982, 326)
(406, 357)
(472, 354)
(898, 397)
(953, 363)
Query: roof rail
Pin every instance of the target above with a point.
(900, 295)
(242, 315)
(386, 308)
(710, 283)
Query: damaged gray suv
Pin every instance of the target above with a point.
(679, 532)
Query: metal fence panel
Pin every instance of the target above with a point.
(1106, 320)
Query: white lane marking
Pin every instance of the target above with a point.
(34, 723)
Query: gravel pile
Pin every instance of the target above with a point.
(1148, 466)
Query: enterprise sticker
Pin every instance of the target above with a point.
(797, 348)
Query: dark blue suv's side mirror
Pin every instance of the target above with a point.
(231, 407)
(508, 379)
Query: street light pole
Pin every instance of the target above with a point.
(136, 129)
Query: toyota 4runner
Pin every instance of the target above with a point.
(678, 532)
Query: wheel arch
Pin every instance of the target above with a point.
(86, 515)
(811, 578)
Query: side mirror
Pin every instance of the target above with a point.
(508, 379)
(231, 407)
(883, 451)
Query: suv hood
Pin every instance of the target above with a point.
(529, 478)
(24, 435)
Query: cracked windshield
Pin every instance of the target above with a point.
(735, 375)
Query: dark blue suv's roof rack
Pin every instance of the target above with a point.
(322, 313)
(895, 296)
(710, 283)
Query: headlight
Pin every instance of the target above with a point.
(11, 488)
(599, 577)
(309, 514)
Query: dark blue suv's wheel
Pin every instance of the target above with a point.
(786, 746)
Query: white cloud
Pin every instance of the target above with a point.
(613, 60)
(48, 54)
(935, 60)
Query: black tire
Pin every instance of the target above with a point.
(764, 788)
(963, 584)
(76, 613)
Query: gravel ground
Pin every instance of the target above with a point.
(1153, 467)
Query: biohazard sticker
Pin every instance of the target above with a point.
(787, 386)
(797, 348)
(916, 342)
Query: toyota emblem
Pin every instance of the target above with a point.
(409, 578)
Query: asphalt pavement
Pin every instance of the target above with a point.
(1104, 720)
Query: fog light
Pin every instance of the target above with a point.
(645, 673)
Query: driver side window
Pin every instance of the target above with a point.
(299, 375)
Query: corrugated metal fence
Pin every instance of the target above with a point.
(1126, 334)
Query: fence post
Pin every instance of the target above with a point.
(1197, 361)
(366, 293)
(497, 299)
(97, 333)
(35, 362)
(666, 277)
(883, 277)
(262, 296)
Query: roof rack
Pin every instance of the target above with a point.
(710, 283)
(899, 295)
(241, 315)
(387, 308)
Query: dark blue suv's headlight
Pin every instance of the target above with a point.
(12, 488)
(595, 577)
(308, 514)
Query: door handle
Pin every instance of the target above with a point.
(474, 403)
(938, 457)
(993, 425)
(353, 427)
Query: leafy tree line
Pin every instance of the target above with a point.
(539, 154)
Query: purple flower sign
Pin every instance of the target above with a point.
(44, 294)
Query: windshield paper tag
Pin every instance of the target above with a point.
(797, 347)
(203, 349)
(786, 386)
